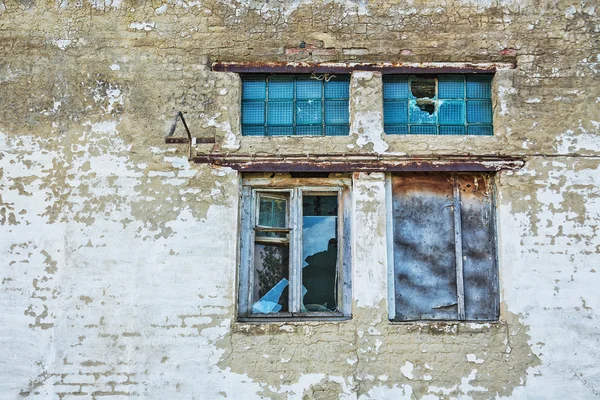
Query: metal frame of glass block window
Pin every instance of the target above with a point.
(251, 192)
(344, 128)
(469, 127)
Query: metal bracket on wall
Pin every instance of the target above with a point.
(169, 139)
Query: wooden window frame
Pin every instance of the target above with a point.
(251, 191)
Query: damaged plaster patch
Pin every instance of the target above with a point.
(407, 370)
(142, 26)
(365, 123)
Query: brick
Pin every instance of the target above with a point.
(356, 52)
(79, 379)
(324, 52)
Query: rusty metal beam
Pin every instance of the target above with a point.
(384, 67)
(365, 163)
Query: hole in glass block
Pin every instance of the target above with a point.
(423, 88)
(427, 106)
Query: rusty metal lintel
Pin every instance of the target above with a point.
(374, 165)
(384, 67)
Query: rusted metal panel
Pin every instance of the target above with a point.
(364, 163)
(478, 244)
(444, 247)
(384, 67)
(424, 253)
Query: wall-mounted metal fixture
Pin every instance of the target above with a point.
(169, 139)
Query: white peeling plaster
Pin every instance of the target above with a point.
(396, 392)
(473, 358)
(570, 142)
(553, 289)
(142, 26)
(161, 10)
(367, 125)
(407, 370)
(369, 252)
(231, 140)
(503, 94)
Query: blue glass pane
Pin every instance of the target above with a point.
(419, 116)
(337, 112)
(481, 130)
(479, 87)
(280, 130)
(452, 130)
(395, 112)
(396, 129)
(451, 87)
(280, 113)
(423, 129)
(337, 88)
(253, 130)
(451, 112)
(338, 130)
(309, 130)
(254, 88)
(253, 112)
(309, 89)
(281, 87)
(479, 111)
(308, 112)
(395, 87)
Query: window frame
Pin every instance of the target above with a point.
(456, 204)
(250, 194)
(470, 127)
(324, 100)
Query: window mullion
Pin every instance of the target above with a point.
(296, 251)
(460, 288)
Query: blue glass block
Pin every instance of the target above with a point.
(479, 111)
(309, 130)
(423, 130)
(280, 130)
(337, 112)
(337, 88)
(395, 87)
(451, 87)
(452, 130)
(280, 113)
(418, 116)
(337, 130)
(480, 130)
(281, 87)
(253, 130)
(308, 112)
(479, 86)
(396, 129)
(254, 87)
(395, 112)
(451, 112)
(253, 112)
(309, 89)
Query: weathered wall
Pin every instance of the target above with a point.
(119, 257)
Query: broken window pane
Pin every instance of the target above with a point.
(319, 253)
(271, 274)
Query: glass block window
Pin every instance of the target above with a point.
(284, 105)
(437, 105)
